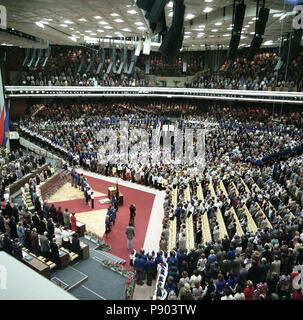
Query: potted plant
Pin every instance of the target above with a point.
(87, 235)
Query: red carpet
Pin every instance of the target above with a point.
(143, 202)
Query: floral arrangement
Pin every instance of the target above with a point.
(130, 276)
(97, 239)
(63, 179)
(61, 285)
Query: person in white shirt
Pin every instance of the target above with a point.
(65, 239)
(92, 197)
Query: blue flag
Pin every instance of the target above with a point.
(6, 126)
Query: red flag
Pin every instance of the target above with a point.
(2, 125)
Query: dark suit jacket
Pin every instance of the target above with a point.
(54, 250)
(7, 245)
(17, 252)
(76, 245)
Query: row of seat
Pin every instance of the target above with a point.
(222, 227)
(239, 230)
(173, 223)
(206, 234)
(190, 239)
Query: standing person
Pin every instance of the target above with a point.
(92, 197)
(13, 228)
(89, 190)
(20, 232)
(17, 252)
(130, 233)
(65, 239)
(35, 241)
(45, 210)
(58, 235)
(73, 222)
(53, 213)
(66, 219)
(50, 229)
(132, 214)
(107, 226)
(55, 253)
(44, 245)
(60, 216)
(2, 226)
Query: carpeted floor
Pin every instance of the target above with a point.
(143, 202)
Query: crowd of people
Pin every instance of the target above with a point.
(254, 247)
(67, 68)
(257, 74)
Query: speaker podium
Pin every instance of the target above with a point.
(111, 192)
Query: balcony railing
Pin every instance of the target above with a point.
(164, 92)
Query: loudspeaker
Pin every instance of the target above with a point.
(261, 22)
(233, 46)
(239, 17)
(145, 4)
(155, 13)
(254, 47)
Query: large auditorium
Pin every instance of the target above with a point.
(151, 150)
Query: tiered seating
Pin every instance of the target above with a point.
(26, 198)
(206, 234)
(222, 227)
(239, 231)
(72, 255)
(190, 239)
(173, 223)
(260, 209)
(251, 225)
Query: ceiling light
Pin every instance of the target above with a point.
(226, 35)
(250, 22)
(218, 24)
(267, 42)
(82, 19)
(141, 28)
(103, 22)
(100, 30)
(170, 14)
(71, 29)
(73, 39)
(132, 11)
(119, 20)
(252, 32)
(108, 27)
(187, 32)
(118, 33)
(208, 0)
(139, 23)
(88, 31)
(201, 26)
(211, 36)
(93, 34)
(214, 30)
(114, 14)
(208, 9)
(200, 35)
(108, 36)
(40, 24)
(247, 26)
(229, 28)
(202, 45)
(77, 31)
(97, 17)
(185, 37)
(243, 37)
(44, 22)
(170, 4)
(49, 19)
(126, 29)
(63, 25)
(189, 16)
(68, 22)
(283, 16)
(277, 15)
(254, 18)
